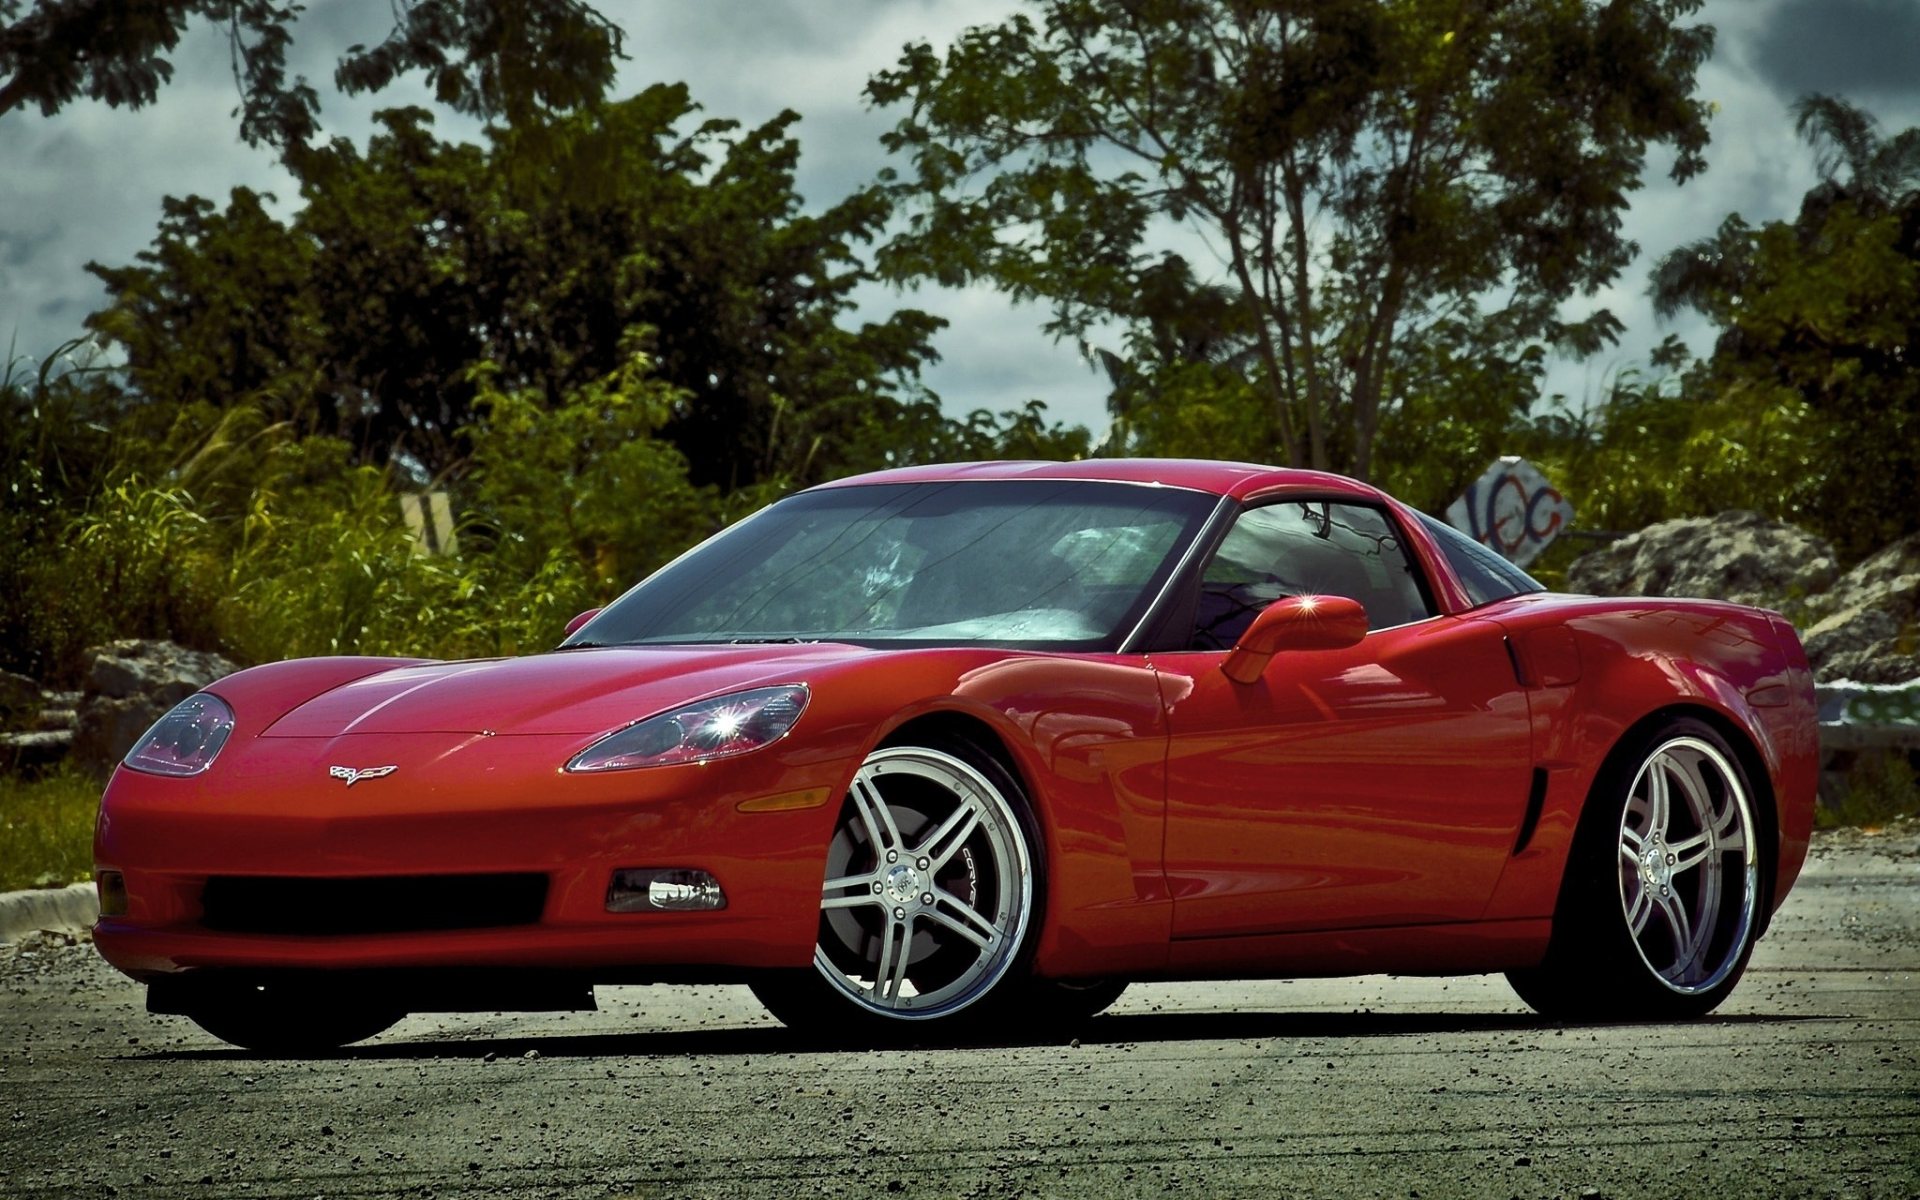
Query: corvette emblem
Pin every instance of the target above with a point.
(354, 775)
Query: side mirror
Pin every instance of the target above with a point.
(574, 625)
(1296, 623)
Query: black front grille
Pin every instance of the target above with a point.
(378, 904)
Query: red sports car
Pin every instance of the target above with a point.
(935, 747)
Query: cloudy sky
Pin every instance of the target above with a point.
(86, 184)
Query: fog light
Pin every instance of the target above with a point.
(664, 889)
(112, 886)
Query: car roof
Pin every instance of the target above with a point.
(1236, 479)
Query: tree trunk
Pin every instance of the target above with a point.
(1303, 306)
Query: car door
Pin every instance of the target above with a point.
(1380, 784)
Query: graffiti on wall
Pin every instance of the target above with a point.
(1512, 509)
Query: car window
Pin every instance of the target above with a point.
(1301, 548)
(1484, 574)
(1051, 564)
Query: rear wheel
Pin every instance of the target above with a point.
(1663, 894)
(929, 906)
(286, 1019)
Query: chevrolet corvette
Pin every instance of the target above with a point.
(971, 747)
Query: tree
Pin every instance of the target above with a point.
(505, 59)
(1189, 341)
(1365, 173)
(1822, 314)
(414, 262)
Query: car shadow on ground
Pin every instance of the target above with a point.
(1108, 1030)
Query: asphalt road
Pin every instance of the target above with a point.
(1806, 1083)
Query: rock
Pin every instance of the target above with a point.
(1871, 629)
(1737, 555)
(20, 697)
(108, 728)
(130, 685)
(29, 753)
(151, 669)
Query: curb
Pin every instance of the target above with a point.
(69, 909)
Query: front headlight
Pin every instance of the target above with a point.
(185, 741)
(718, 728)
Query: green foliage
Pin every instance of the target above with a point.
(1021, 432)
(1189, 410)
(147, 548)
(1364, 171)
(1670, 447)
(605, 333)
(413, 261)
(46, 829)
(1808, 408)
(220, 312)
(624, 506)
(1465, 387)
(65, 436)
(491, 58)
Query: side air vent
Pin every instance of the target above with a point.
(1536, 800)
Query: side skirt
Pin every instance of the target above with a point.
(1468, 948)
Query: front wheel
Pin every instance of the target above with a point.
(929, 906)
(1663, 894)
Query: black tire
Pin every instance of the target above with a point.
(1665, 887)
(949, 873)
(1065, 1003)
(284, 1019)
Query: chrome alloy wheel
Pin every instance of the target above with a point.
(929, 887)
(1689, 878)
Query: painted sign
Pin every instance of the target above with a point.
(1512, 509)
(1847, 703)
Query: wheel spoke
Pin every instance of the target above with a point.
(1690, 852)
(1699, 803)
(882, 833)
(962, 918)
(960, 927)
(1674, 910)
(1709, 916)
(1658, 813)
(896, 945)
(1728, 832)
(863, 887)
(943, 843)
(1639, 906)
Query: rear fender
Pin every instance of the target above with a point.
(1638, 663)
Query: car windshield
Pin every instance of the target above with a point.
(1053, 564)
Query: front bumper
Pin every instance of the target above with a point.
(460, 805)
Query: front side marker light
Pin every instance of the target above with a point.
(185, 741)
(718, 728)
(664, 889)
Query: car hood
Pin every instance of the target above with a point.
(566, 692)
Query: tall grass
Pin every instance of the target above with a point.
(1880, 787)
(46, 829)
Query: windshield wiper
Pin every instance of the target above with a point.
(771, 641)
